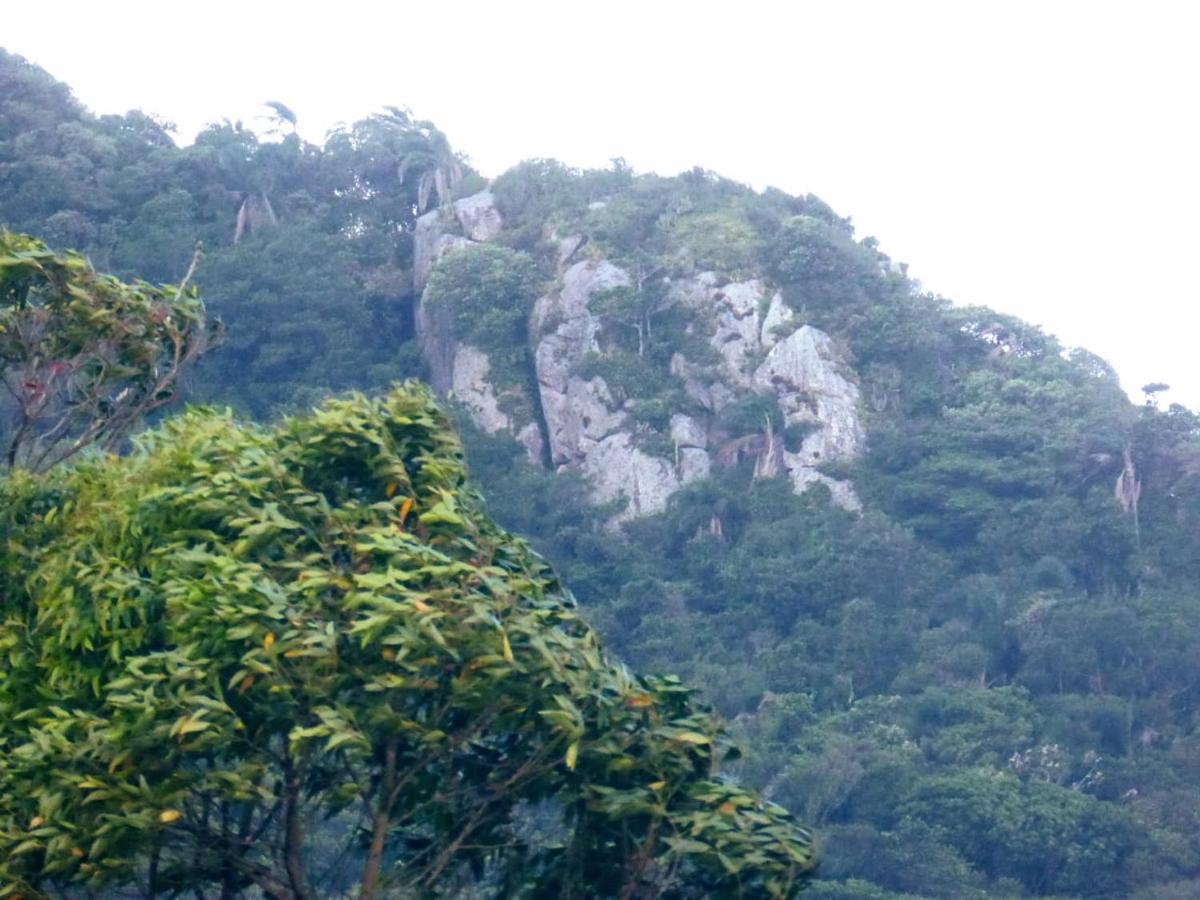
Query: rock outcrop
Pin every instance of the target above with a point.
(586, 427)
(473, 219)
(804, 372)
(579, 412)
(764, 349)
(454, 367)
(478, 216)
(760, 347)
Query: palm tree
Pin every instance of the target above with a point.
(425, 152)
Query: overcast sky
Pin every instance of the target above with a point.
(1037, 157)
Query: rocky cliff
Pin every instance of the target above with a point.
(741, 347)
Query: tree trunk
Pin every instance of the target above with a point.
(370, 882)
(293, 846)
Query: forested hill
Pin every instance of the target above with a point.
(940, 572)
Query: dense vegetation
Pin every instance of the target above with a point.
(984, 685)
(303, 660)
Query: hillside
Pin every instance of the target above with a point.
(937, 569)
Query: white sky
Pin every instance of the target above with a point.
(1037, 157)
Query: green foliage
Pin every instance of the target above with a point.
(294, 338)
(719, 241)
(83, 356)
(486, 293)
(1055, 840)
(994, 631)
(235, 631)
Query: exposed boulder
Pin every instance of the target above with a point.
(842, 493)
(586, 427)
(760, 348)
(469, 382)
(805, 373)
(430, 243)
(578, 411)
(779, 318)
(692, 461)
(438, 346)
(478, 216)
(693, 464)
(615, 468)
(568, 247)
(700, 384)
(738, 330)
(688, 432)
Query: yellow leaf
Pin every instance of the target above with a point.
(389, 654)
(657, 785)
(390, 489)
(190, 725)
(405, 509)
(292, 654)
(246, 684)
(421, 606)
(726, 809)
(77, 852)
(508, 654)
(572, 755)
(639, 701)
(693, 737)
(268, 640)
(36, 822)
(167, 816)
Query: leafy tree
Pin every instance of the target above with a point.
(84, 357)
(486, 293)
(235, 634)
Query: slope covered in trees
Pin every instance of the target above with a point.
(983, 684)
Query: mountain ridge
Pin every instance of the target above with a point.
(983, 683)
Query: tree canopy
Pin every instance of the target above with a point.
(303, 659)
(83, 356)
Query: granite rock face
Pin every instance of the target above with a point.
(469, 382)
(586, 428)
(579, 412)
(759, 346)
(806, 375)
(437, 231)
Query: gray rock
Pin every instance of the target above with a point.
(530, 437)
(616, 468)
(471, 386)
(687, 432)
(578, 412)
(438, 346)
(699, 383)
(807, 377)
(568, 247)
(696, 292)
(478, 216)
(694, 464)
(842, 493)
(779, 317)
(469, 382)
(738, 328)
(431, 243)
